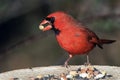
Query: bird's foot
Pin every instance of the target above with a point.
(87, 64)
(66, 65)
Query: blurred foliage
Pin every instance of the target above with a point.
(22, 44)
(109, 25)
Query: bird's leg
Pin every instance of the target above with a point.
(66, 62)
(88, 62)
(88, 59)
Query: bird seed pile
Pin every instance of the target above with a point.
(83, 73)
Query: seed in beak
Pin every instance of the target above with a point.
(41, 27)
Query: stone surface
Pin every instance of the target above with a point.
(26, 74)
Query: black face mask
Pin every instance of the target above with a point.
(52, 20)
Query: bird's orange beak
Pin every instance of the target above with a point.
(45, 25)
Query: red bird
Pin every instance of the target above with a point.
(71, 35)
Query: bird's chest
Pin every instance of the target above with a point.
(73, 42)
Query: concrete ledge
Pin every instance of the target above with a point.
(25, 74)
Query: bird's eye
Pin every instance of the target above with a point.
(51, 19)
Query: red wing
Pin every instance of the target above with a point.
(93, 38)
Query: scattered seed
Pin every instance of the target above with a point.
(73, 73)
(99, 76)
(83, 73)
(40, 76)
(69, 76)
(63, 76)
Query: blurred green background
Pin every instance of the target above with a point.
(23, 45)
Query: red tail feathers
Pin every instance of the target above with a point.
(104, 41)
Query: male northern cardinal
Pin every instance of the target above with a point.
(71, 35)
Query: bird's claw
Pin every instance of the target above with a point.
(87, 64)
(66, 65)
